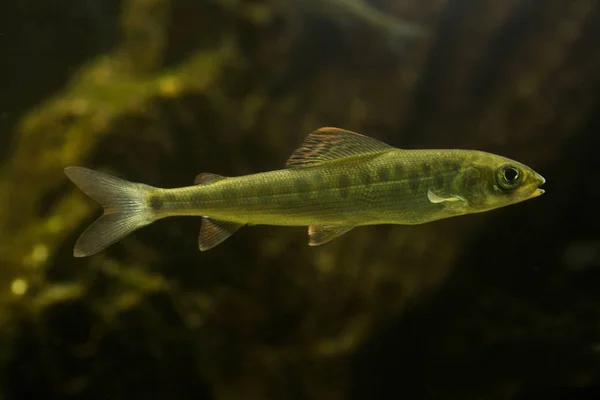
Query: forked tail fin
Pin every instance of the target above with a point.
(125, 209)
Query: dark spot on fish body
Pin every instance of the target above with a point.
(426, 170)
(318, 180)
(344, 185)
(439, 180)
(471, 184)
(268, 191)
(398, 171)
(383, 174)
(365, 178)
(156, 203)
(414, 181)
(258, 193)
(228, 193)
(449, 165)
(303, 187)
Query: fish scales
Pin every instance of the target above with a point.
(357, 194)
(290, 202)
(335, 181)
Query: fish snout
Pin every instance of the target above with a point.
(538, 181)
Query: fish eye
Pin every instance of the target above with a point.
(508, 177)
(511, 174)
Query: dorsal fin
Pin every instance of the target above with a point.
(207, 177)
(332, 144)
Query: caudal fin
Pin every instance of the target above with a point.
(124, 205)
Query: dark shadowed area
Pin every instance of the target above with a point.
(498, 305)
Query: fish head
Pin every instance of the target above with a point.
(492, 181)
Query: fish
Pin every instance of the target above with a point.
(397, 33)
(372, 16)
(361, 10)
(335, 181)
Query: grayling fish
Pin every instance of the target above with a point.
(337, 180)
(397, 32)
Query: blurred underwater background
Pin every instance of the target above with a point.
(498, 305)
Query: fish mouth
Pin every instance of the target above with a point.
(538, 192)
(539, 180)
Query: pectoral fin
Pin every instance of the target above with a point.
(320, 234)
(434, 198)
(214, 232)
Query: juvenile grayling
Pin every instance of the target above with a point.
(335, 181)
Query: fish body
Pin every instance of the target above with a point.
(390, 188)
(335, 181)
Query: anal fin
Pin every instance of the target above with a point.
(320, 234)
(214, 232)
